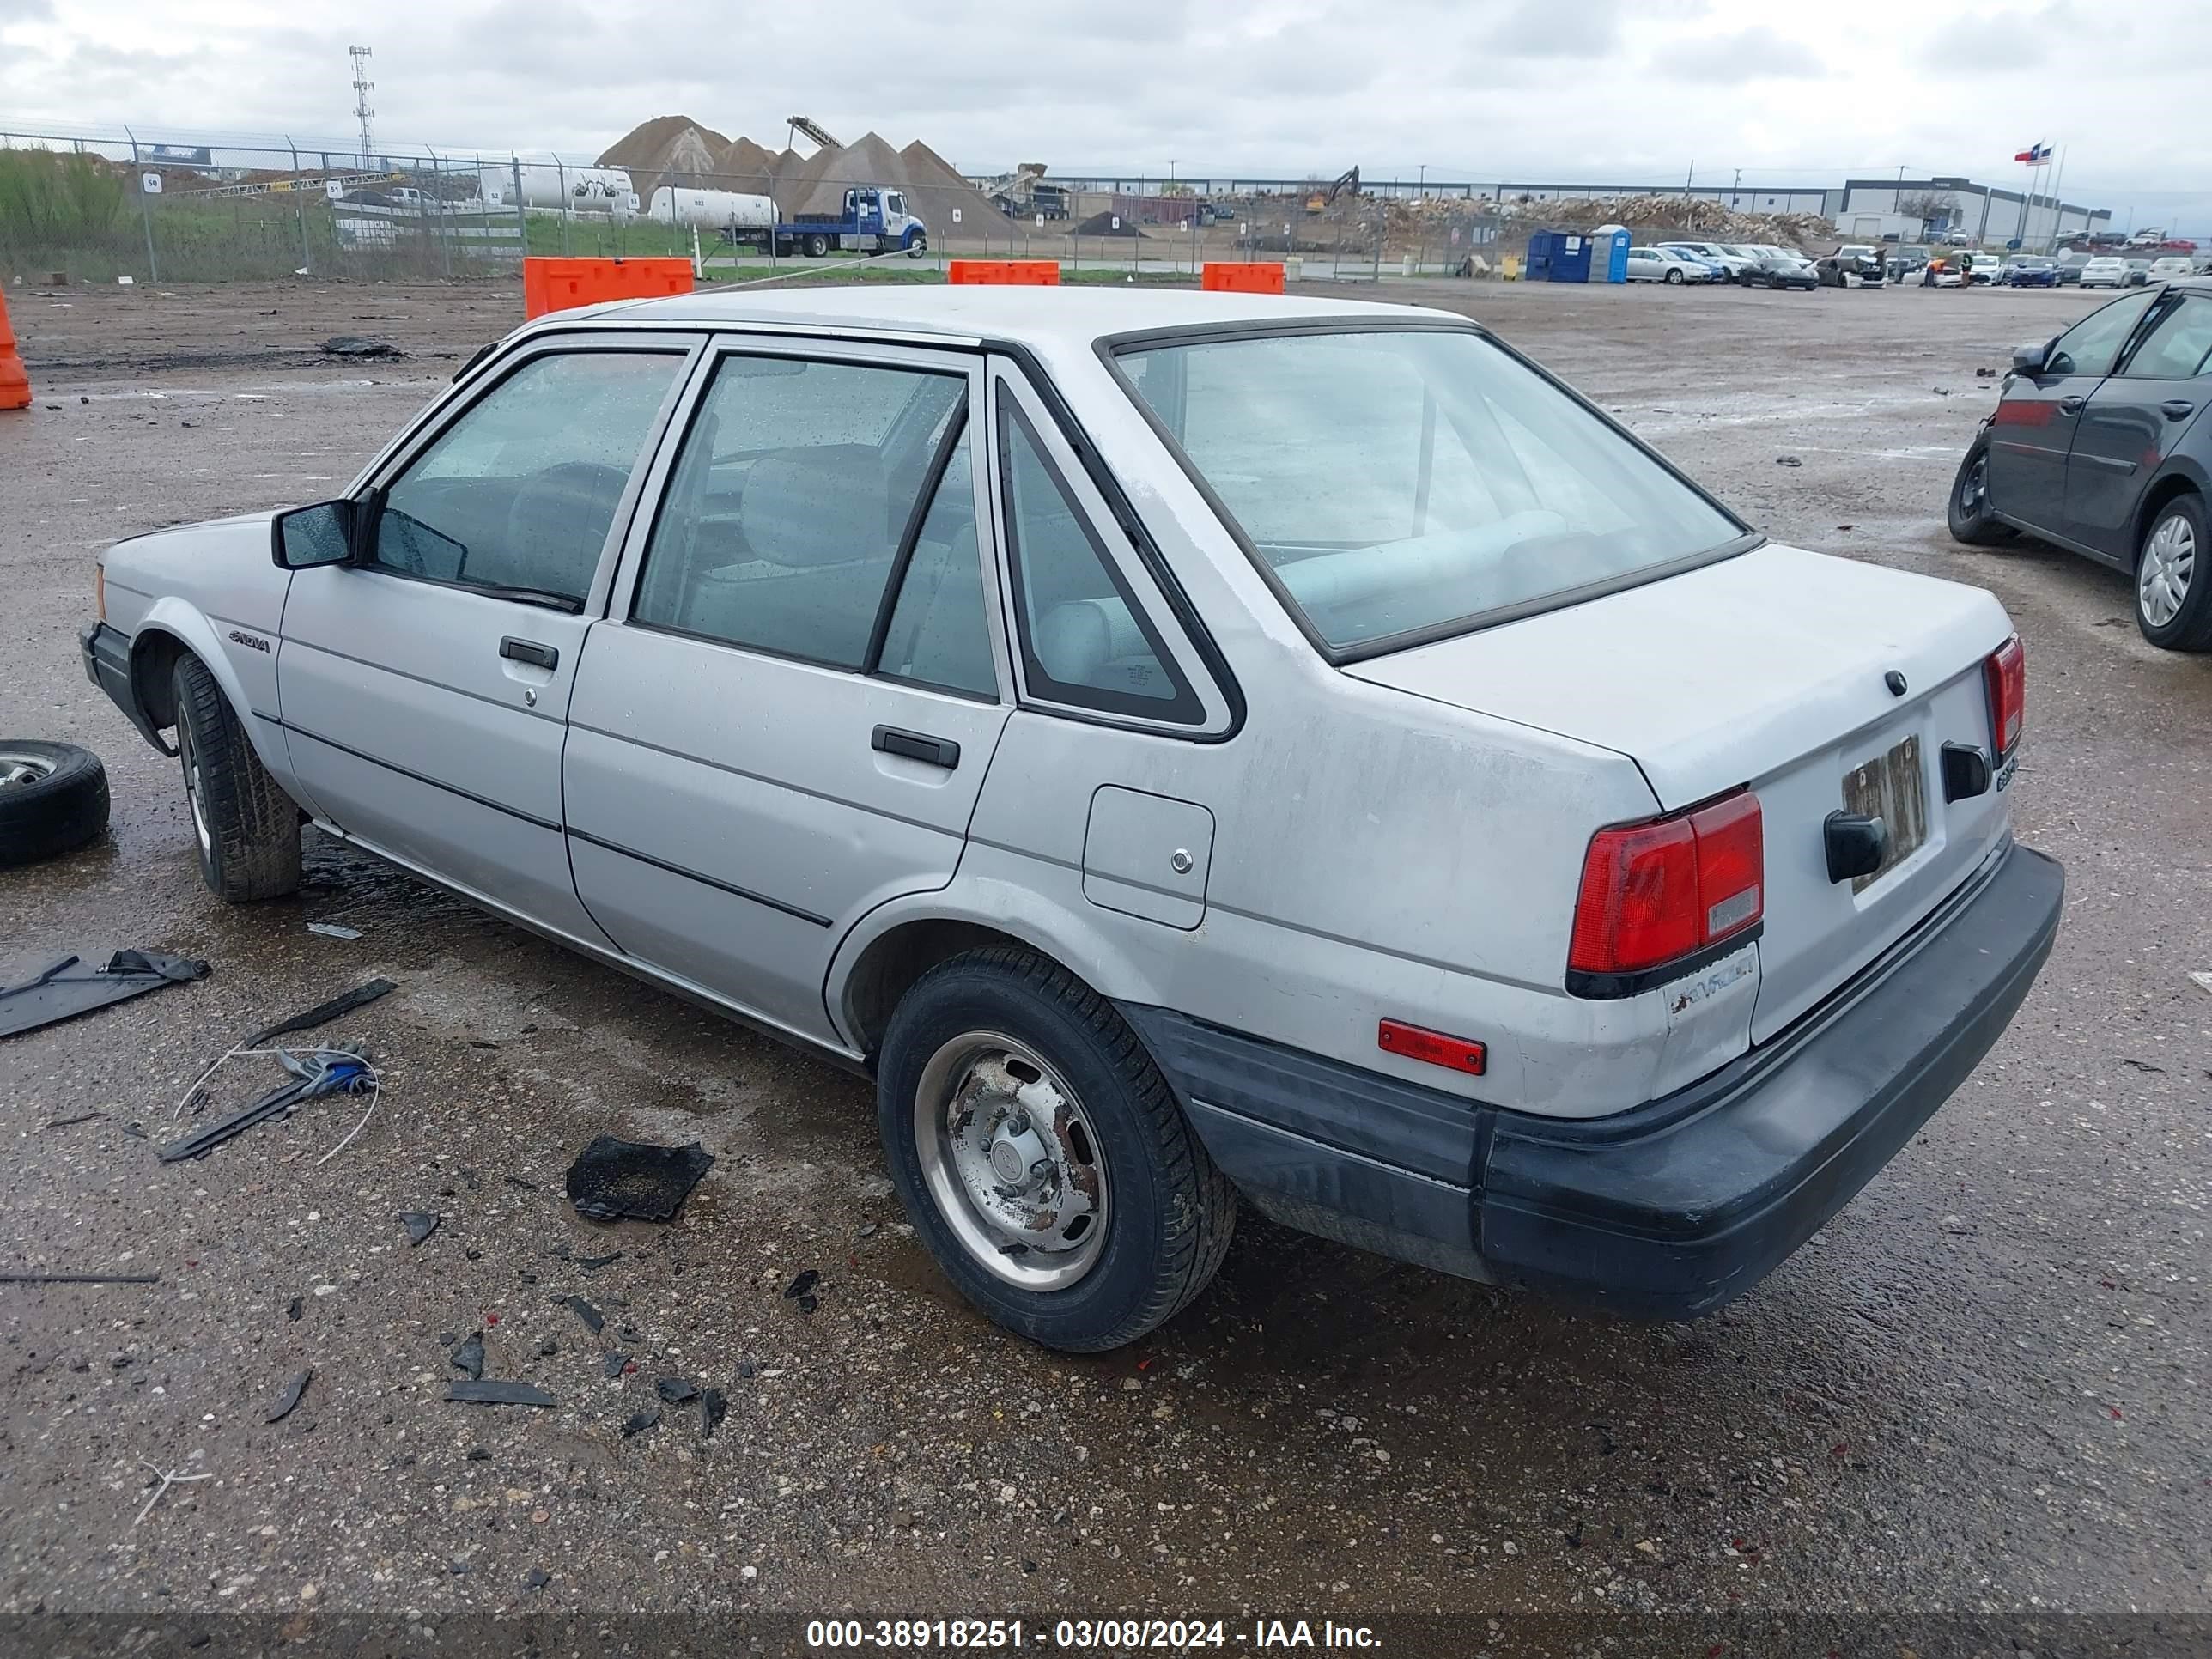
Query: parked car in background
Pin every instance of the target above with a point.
(2173, 268)
(2104, 271)
(2101, 441)
(952, 683)
(2029, 270)
(1905, 262)
(2069, 267)
(1853, 265)
(1984, 267)
(2138, 273)
(1660, 265)
(1946, 270)
(1713, 254)
(1773, 271)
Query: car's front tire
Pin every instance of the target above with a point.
(1043, 1157)
(1969, 515)
(2174, 588)
(245, 828)
(1674, 277)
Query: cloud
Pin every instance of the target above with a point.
(1751, 54)
(1990, 43)
(1557, 28)
(13, 12)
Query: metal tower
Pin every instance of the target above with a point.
(362, 86)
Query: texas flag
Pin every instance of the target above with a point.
(2034, 154)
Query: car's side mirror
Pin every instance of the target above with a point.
(307, 536)
(2030, 359)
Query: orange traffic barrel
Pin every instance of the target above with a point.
(15, 381)
(1020, 273)
(1219, 277)
(559, 284)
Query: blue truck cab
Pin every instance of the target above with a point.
(874, 220)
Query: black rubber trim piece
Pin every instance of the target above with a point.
(434, 783)
(745, 894)
(1666, 1211)
(106, 652)
(1611, 987)
(1965, 771)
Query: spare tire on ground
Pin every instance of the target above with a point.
(53, 798)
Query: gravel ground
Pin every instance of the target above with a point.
(1982, 1387)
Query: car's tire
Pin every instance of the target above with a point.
(917, 244)
(972, 1047)
(53, 800)
(817, 246)
(2173, 577)
(1968, 510)
(246, 828)
(1675, 275)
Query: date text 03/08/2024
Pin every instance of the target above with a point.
(1083, 1635)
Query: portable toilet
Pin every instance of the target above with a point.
(1559, 256)
(1609, 254)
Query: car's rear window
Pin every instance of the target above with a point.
(1394, 483)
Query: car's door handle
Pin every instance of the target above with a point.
(2177, 409)
(916, 745)
(2071, 405)
(529, 651)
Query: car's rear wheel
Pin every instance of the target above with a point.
(818, 246)
(2174, 589)
(1971, 520)
(1041, 1156)
(53, 800)
(245, 828)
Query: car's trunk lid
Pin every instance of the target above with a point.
(1772, 670)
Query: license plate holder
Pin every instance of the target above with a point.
(1893, 787)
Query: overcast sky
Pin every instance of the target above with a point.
(1524, 89)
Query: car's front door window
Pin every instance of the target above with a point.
(2179, 346)
(520, 493)
(2092, 345)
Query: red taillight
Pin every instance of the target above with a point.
(2006, 671)
(1654, 892)
(1395, 1036)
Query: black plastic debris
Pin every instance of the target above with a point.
(71, 986)
(614, 1179)
(536, 1578)
(80, 1278)
(613, 1363)
(498, 1393)
(642, 1422)
(357, 345)
(479, 1455)
(292, 1309)
(323, 1012)
(807, 1304)
(799, 1286)
(584, 1310)
(592, 1264)
(548, 1348)
(1788, 460)
(713, 1408)
(470, 1357)
(71, 1122)
(420, 1224)
(517, 1181)
(325, 1072)
(289, 1398)
(676, 1389)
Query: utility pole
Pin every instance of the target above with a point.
(1688, 176)
(1735, 189)
(362, 86)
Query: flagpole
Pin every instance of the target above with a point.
(2057, 203)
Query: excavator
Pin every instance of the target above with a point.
(1348, 179)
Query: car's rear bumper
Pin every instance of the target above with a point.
(106, 652)
(1668, 1211)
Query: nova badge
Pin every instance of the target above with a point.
(251, 641)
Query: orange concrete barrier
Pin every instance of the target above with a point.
(1020, 273)
(15, 382)
(560, 284)
(1219, 277)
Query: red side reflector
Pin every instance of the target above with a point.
(2006, 673)
(1432, 1047)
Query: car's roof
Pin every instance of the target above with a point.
(1044, 317)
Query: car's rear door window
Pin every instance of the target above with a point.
(825, 511)
(1399, 483)
(519, 494)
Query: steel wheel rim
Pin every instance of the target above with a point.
(195, 789)
(1973, 488)
(2169, 563)
(988, 1111)
(16, 767)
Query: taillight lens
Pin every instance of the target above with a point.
(1654, 892)
(2006, 671)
